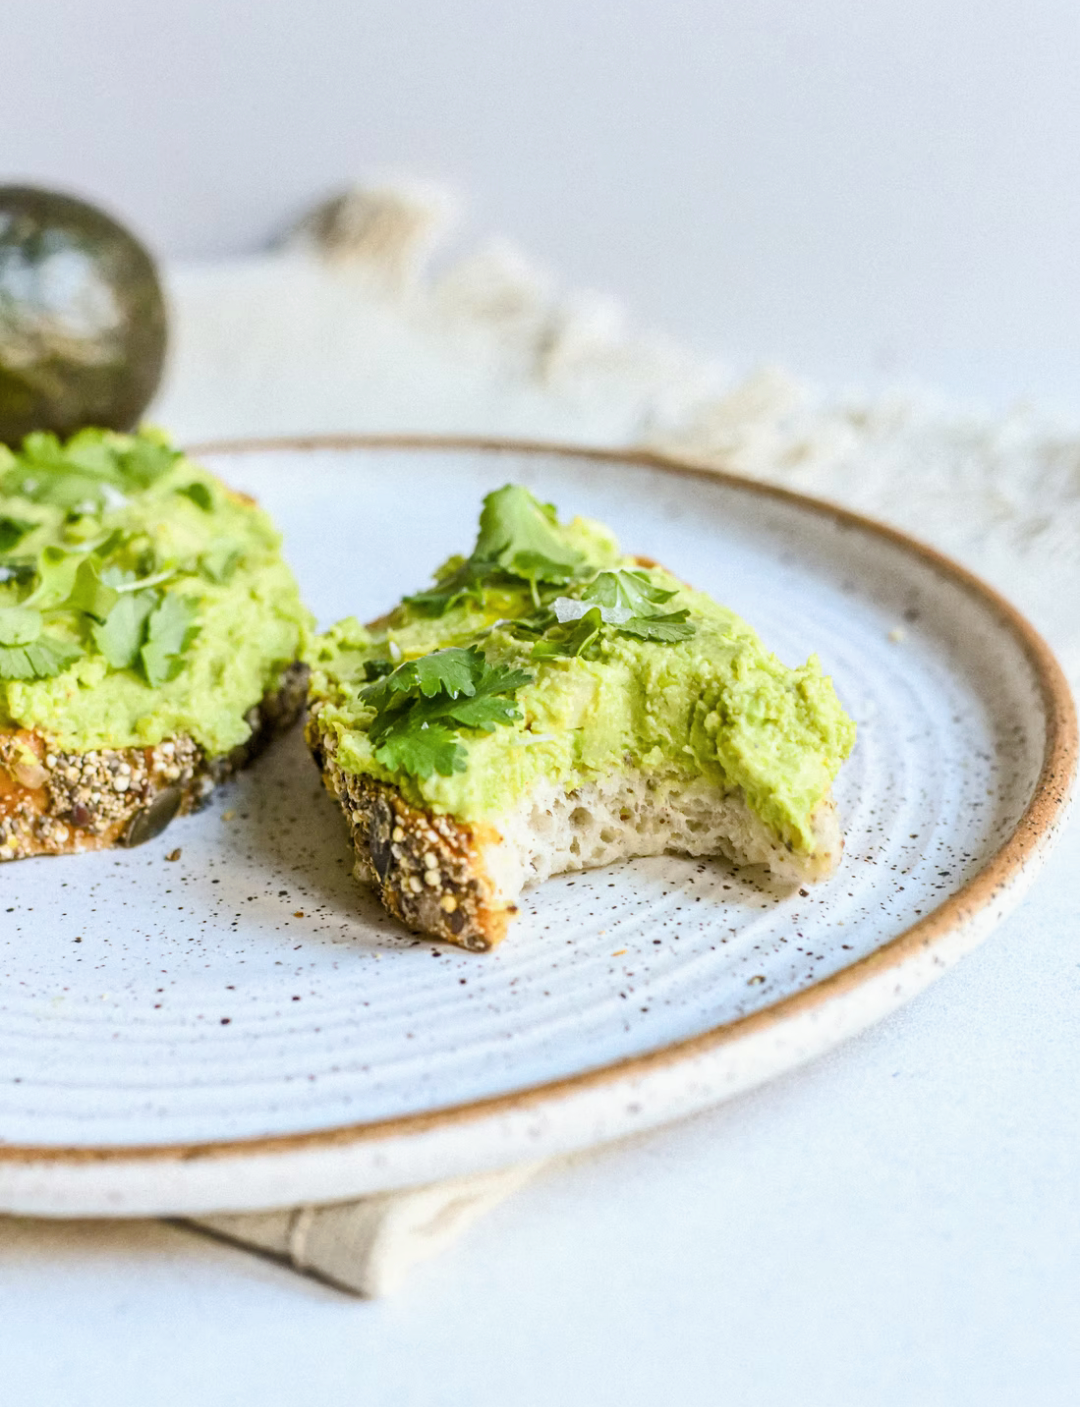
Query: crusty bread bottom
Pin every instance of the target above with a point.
(57, 803)
(462, 882)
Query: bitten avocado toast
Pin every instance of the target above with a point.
(150, 634)
(550, 704)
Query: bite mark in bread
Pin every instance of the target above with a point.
(462, 882)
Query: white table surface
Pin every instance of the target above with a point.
(899, 1224)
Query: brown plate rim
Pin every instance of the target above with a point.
(1044, 812)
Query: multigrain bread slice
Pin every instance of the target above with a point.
(149, 640)
(551, 705)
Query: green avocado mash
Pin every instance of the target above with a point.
(547, 655)
(139, 598)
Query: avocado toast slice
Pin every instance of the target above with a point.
(550, 704)
(150, 635)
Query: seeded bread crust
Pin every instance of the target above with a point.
(427, 869)
(61, 803)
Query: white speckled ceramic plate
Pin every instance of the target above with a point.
(243, 1027)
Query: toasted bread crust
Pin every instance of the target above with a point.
(428, 869)
(59, 803)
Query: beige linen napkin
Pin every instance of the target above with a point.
(368, 1246)
(346, 328)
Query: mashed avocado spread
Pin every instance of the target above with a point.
(139, 598)
(548, 655)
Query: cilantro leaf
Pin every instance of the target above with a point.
(667, 629)
(62, 490)
(145, 460)
(571, 608)
(493, 679)
(89, 593)
(172, 623)
(84, 453)
(101, 543)
(485, 712)
(581, 637)
(625, 601)
(91, 451)
(636, 593)
(12, 532)
(199, 494)
(129, 622)
(80, 472)
(462, 584)
(422, 704)
(170, 629)
(56, 568)
(48, 655)
(120, 612)
(421, 751)
(122, 581)
(118, 578)
(451, 671)
(486, 704)
(523, 537)
(19, 625)
(15, 663)
(96, 590)
(628, 591)
(534, 624)
(120, 636)
(70, 476)
(26, 652)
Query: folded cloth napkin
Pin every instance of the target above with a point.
(368, 1246)
(348, 327)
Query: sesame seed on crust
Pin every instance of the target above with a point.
(427, 869)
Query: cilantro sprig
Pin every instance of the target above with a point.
(86, 581)
(627, 602)
(135, 626)
(130, 622)
(520, 541)
(422, 706)
(81, 473)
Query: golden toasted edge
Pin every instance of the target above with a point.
(427, 869)
(54, 802)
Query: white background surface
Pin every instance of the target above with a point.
(854, 190)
